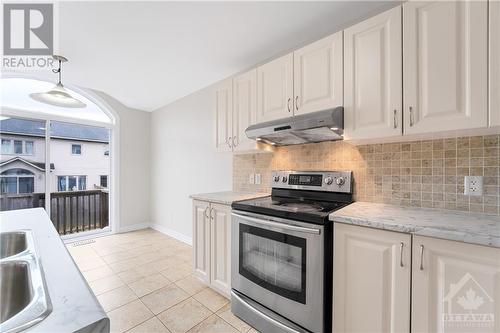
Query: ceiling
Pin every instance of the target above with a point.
(148, 54)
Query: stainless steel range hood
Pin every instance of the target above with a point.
(318, 126)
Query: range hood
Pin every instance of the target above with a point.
(327, 125)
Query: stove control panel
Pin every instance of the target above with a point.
(330, 181)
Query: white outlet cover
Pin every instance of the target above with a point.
(251, 178)
(257, 178)
(473, 185)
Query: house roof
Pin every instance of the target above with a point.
(58, 130)
(38, 165)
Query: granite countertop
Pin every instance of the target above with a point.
(75, 308)
(471, 228)
(227, 197)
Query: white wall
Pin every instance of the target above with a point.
(134, 165)
(184, 161)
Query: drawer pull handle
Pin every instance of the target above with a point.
(421, 257)
(401, 246)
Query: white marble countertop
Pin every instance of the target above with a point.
(472, 228)
(75, 308)
(227, 197)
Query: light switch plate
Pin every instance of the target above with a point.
(473, 185)
(257, 178)
(251, 178)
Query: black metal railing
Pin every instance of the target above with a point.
(70, 212)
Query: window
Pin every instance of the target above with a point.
(76, 149)
(17, 181)
(104, 181)
(71, 183)
(28, 147)
(18, 147)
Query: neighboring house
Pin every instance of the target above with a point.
(79, 157)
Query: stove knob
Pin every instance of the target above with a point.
(284, 179)
(340, 181)
(276, 178)
(328, 180)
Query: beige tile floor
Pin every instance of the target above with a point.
(144, 283)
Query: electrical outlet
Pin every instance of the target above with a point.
(257, 178)
(251, 178)
(473, 185)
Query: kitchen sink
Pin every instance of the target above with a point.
(12, 243)
(23, 293)
(16, 288)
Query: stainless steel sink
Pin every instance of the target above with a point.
(23, 293)
(12, 243)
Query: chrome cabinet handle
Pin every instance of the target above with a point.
(401, 246)
(395, 118)
(235, 141)
(297, 103)
(206, 215)
(288, 104)
(211, 213)
(228, 140)
(411, 116)
(421, 257)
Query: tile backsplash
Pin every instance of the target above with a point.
(420, 173)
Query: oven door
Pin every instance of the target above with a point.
(279, 264)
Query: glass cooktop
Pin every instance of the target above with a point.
(292, 208)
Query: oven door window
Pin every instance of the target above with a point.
(275, 261)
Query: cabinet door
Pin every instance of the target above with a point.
(223, 115)
(373, 77)
(201, 240)
(494, 84)
(445, 65)
(456, 287)
(371, 289)
(244, 108)
(220, 254)
(275, 89)
(317, 75)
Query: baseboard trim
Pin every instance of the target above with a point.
(134, 227)
(172, 233)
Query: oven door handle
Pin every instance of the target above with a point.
(278, 225)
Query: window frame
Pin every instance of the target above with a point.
(12, 148)
(75, 145)
(66, 183)
(100, 180)
(32, 177)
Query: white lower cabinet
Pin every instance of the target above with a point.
(454, 286)
(212, 244)
(372, 271)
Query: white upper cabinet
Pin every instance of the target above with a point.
(223, 115)
(494, 84)
(452, 281)
(318, 80)
(275, 89)
(445, 65)
(244, 108)
(373, 77)
(372, 270)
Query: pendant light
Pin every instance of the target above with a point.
(58, 96)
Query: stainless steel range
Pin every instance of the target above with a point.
(281, 267)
